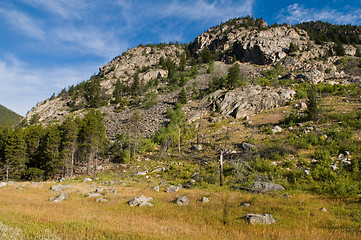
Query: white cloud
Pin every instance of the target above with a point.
(22, 87)
(22, 23)
(296, 13)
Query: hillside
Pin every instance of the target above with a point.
(8, 117)
(259, 119)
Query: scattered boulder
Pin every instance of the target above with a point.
(59, 198)
(204, 200)
(158, 169)
(277, 129)
(247, 146)
(245, 204)
(156, 188)
(90, 195)
(197, 147)
(3, 184)
(259, 218)
(142, 201)
(182, 200)
(146, 204)
(112, 190)
(173, 189)
(266, 187)
(101, 199)
(87, 180)
(323, 210)
(141, 174)
(60, 187)
(99, 189)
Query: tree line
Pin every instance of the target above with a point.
(41, 153)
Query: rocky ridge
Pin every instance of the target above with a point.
(256, 49)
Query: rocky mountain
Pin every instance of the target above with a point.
(149, 78)
(8, 117)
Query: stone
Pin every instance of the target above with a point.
(101, 199)
(142, 201)
(159, 169)
(245, 204)
(60, 187)
(204, 200)
(277, 129)
(172, 189)
(196, 147)
(141, 173)
(99, 189)
(112, 190)
(323, 210)
(156, 188)
(259, 218)
(146, 204)
(182, 200)
(266, 187)
(3, 184)
(59, 198)
(145, 198)
(90, 195)
(134, 202)
(247, 146)
(87, 180)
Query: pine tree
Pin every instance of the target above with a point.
(233, 77)
(92, 93)
(182, 62)
(312, 104)
(92, 137)
(182, 97)
(14, 155)
(49, 156)
(69, 135)
(117, 92)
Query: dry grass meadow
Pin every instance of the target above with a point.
(26, 213)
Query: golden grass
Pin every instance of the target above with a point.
(297, 216)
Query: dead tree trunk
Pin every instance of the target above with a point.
(221, 169)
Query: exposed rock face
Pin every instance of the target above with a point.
(257, 218)
(265, 46)
(245, 101)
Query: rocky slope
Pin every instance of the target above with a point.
(257, 48)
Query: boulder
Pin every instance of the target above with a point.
(59, 198)
(99, 189)
(94, 195)
(245, 204)
(259, 218)
(277, 129)
(204, 200)
(182, 200)
(101, 199)
(87, 180)
(266, 187)
(173, 189)
(196, 147)
(156, 188)
(112, 190)
(142, 201)
(3, 184)
(60, 187)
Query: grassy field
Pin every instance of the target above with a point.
(26, 213)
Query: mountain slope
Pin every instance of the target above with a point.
(8, 117)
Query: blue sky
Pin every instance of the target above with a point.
(47, 45)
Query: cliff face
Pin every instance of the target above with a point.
(257, 48)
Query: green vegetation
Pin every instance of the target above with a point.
(8, 118)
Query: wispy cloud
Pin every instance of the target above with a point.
(296, 13)
(22, 86)
(23, 23)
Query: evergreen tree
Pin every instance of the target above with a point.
(312, 104)
(92, 93)
(182, 62)
(32, 137)
(206, 55)
(69, 135)
(49, 156)
(117, 92)
(14, 155)
(136, 84)
(92, 138)
(182, 97)
(340, 51)
(233, 77)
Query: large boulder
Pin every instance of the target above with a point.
(259, 218)
(59, 198)
(142, 201)
(259, 186)
(60, 187)
(182, 200)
